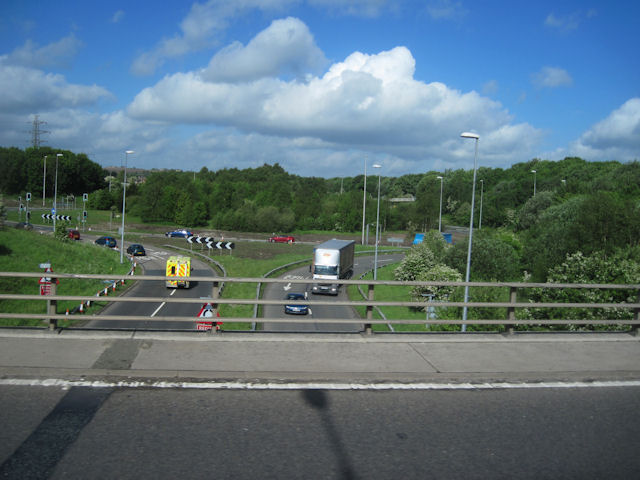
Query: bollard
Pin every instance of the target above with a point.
(81, 309)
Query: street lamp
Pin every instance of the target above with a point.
(473, 199)
(55, 196)
(44, 180)
(364, 199)
(375, 258)
(534, 182)
(481, 195)
(440, 216)
(124, 198)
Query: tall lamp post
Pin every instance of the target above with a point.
(375, 257)
(534, 182)
(124, 198)
(481, 195)
(55, 196)
(440, 215)
(44, 180)
(364, 199)
(473, 198)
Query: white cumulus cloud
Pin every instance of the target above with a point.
(56, 54)
(367, 102)
(199, 29)
(285, 47)
(617, 137)
(552, 77)
(27, 90)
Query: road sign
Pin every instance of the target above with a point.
(207, 312)
(48, 216)
(45, 282)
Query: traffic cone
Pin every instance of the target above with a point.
(114, 286)
(106, 291)
(81, 309)
(67, 313)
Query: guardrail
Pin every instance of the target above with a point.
(52, 316)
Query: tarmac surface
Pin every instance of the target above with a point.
(238, 360)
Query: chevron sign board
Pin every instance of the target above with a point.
(48, 216)
(199, 239)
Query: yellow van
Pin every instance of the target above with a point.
(178, 266)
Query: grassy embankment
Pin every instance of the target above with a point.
(390, 293)
(23, 251)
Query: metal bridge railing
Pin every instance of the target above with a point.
(512, 306)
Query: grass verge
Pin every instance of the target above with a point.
(23, 251)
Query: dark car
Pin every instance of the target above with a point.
(24, 225)
(282, 239)
(179, 233)
(296, 309)
(136, 250)
(107, 242)
(74, 234)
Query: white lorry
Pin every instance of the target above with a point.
(332, 260)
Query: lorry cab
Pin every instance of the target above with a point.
(178, 266)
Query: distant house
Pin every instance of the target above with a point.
(406, 198)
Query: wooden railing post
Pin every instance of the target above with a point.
(511, 311)
(370, 296)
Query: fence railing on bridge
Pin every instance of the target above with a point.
(513, 306)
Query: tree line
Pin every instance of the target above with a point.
(578, 206)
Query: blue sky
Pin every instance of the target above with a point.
(321, 86)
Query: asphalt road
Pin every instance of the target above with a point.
(306, 324)
(581, 433)
(154, 264)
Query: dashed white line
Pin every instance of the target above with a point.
(162, 305)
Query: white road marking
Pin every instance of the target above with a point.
(238, 385)
(162, 304)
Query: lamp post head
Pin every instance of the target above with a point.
(533, 171)
(375, 165)
(129, 152)
(470, 135)
(59, 155)
(439, 177)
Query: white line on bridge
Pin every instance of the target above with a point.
(53, 382)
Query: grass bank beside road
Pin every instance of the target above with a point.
(24, 251)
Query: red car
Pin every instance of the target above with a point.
(282, 239)
(74, 234)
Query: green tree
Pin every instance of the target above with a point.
(598, 268)
(493, 257)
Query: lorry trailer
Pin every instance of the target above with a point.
(332, 260)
